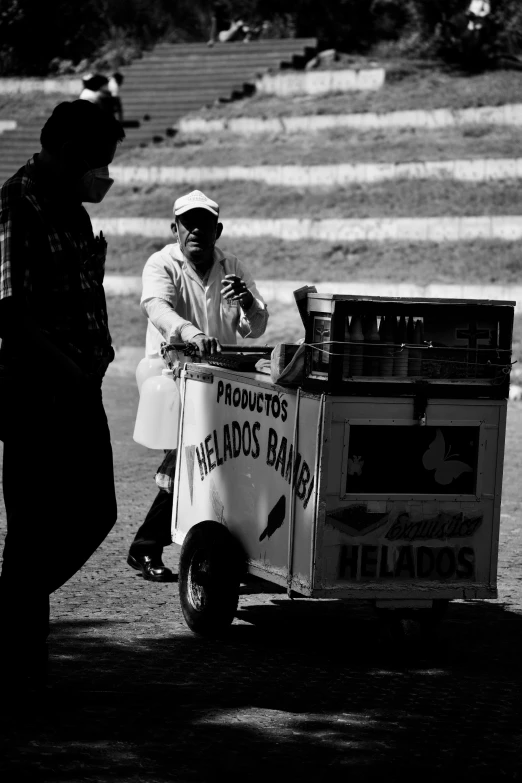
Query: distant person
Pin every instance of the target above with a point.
(478, 10)
(57, 471)
(236, 32)
(104, 91)
(95, 89)
(219, 20)
(195, 293)
(241, 31)
(113, 86)
(92, 83)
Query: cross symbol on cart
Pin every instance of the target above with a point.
(473, 334)
(322, 331)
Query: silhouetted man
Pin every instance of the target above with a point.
(58, 474)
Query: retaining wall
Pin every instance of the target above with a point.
(509, 114)
(65, 86)
(282, 290)
(321, 82)
(428, 229)
(7, 125)
(475, 170)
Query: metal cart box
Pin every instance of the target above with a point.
(373, 487)
(344, 496)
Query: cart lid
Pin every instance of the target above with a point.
(412, 300)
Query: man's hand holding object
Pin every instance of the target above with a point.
(234, 289)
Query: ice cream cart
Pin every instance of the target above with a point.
(376, 475)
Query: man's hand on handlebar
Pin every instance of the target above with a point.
(207, 346)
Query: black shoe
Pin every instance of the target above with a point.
(151, 567)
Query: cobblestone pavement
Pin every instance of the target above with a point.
(296, 690)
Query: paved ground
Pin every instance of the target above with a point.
(297, 690)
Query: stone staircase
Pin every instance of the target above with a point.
(169, 82)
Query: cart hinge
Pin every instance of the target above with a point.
(197, 375)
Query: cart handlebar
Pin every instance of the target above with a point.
(190, 348)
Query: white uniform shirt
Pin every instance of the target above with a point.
(179, 304)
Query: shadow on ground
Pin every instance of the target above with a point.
(295, 690)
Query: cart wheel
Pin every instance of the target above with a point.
(209, 578)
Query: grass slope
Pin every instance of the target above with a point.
(474, 262)
(127, 323)
(401, 198)
(339, 145)
(406, 87)
(127, 255)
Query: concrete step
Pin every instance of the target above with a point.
(194, 97)
(201, 68)
(229, 49)
(165, 69)
(170, 93)
(18, 141)
(204, 63)
(182, 66)
(186, 87)
(187, 84)
(170, 81)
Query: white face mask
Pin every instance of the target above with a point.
(95, 184)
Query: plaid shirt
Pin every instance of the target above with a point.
(51, 261)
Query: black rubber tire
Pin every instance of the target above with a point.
(209, 578)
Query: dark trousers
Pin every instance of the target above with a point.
(154, 534)
(59, 495)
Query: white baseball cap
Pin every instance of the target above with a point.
(195, 200)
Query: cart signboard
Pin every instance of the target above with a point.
(238, 465)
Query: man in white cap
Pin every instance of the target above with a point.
(195, 293)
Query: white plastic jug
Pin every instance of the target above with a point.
(157, 419)
(148, 367)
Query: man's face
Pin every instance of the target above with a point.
(100, 157)
(75, 162)
(198, 231)
(94, 187)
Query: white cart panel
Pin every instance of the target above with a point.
(239, 466)
(411, 509)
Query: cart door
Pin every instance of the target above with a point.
(410, 508)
